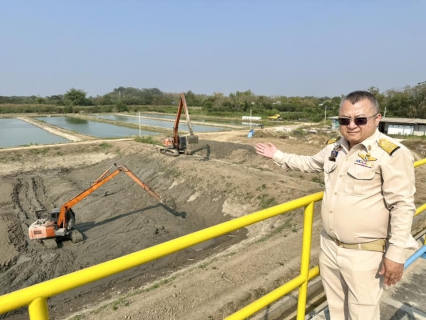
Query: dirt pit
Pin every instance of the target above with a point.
(224, 179)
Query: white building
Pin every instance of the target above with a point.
(403, 126)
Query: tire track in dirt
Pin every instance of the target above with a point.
(29, 195)
(39, 190)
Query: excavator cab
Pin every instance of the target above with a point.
(70, 220)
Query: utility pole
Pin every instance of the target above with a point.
(325, 111)
(139, 124)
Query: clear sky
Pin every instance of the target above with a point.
(271, 47)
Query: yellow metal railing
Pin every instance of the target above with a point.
(35, 296)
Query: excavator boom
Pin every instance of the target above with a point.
(122, 168)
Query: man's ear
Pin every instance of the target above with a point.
(378, 118)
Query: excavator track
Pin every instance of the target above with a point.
(50, 243)
(76, 236)
(170, 152)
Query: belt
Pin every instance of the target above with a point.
(376, 245)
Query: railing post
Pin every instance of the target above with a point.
(306, 254)
(38, 309)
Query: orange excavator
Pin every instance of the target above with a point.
(180, 144)
(62, 220)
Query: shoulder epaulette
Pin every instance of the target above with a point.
(333, 140)
(388, 146)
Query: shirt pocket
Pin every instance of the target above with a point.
(329, 167)
(362, 182)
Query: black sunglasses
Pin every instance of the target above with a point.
(360, 121)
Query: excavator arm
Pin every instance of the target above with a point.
(46, 228)
(177, 120)
(104, 178)
(188, 121)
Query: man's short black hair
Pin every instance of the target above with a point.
(359, 95)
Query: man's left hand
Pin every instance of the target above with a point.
(266, 149)
(392, 271)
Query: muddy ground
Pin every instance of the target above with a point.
(224, 179)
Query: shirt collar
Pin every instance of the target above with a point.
(371, 140)
(367, 143)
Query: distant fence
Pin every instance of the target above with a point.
(251, 118)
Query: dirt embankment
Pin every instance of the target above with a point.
(224, 179)
(71, 136)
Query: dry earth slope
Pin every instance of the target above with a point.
(223, 180)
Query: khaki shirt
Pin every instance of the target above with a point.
(364, 200)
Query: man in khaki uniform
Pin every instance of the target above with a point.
(367, 209)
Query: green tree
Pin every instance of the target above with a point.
(191, 99)
(419, 99)
(40, 100)
(55, 99)
(121, 106)
(381, 98)
(398, 103)
(75, 97)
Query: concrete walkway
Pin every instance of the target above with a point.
(404, 301)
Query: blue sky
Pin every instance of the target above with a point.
(292, 48)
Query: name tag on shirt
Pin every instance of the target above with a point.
(363, 163)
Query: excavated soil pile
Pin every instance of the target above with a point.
(221, 181)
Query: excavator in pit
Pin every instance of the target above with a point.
(176, 145)
(60, 223)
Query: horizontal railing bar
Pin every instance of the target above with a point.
(419, 163)
(273, 296)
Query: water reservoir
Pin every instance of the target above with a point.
(162, 124)
(207, 120)
(93, 128)
(15, 132)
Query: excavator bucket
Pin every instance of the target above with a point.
(192, 139)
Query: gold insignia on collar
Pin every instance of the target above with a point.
(331, 141)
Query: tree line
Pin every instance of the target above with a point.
(409, 102)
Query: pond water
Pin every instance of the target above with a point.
(159, 123)
(93, 128)
(158, 116)
(15, 132)
(173, 117)
(207, 120)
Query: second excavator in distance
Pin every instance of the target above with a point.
(176, 145)
(60, 223)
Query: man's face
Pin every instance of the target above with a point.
(357, 133)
